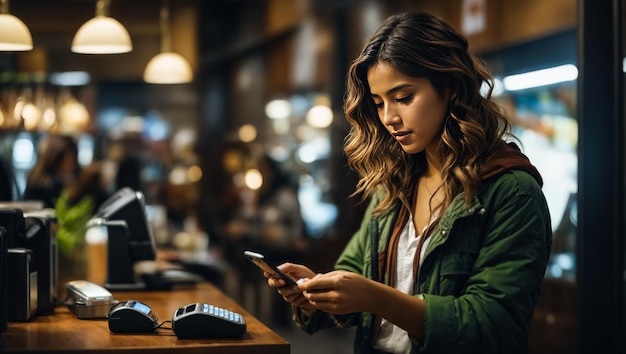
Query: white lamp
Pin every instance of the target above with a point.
(73, 116)
(167, 67)
(102, 34)
(14, 35)
(542, 77)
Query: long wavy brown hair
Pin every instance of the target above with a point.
(421, 45)
(53, 149)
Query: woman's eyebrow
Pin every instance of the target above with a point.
(393, 89)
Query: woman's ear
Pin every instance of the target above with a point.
(452, 95)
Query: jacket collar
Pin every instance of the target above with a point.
(506, 156)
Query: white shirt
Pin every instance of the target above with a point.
(392, 338)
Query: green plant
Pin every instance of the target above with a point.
(72, 220)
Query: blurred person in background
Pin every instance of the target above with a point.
(129, 170)
(77, 203)
(452, 250)
(130, 163)
(280, 220)
(56, 166)
(8, 183)
(268, 217)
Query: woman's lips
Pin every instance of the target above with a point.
(401, 136)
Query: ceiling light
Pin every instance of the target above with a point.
(253, 179)
(69, 78)
(73, 116)
(319, 116)
(102, 34)
(167, 67)
(247, 133)
(14, 35)
(543, 77)
(278, 109)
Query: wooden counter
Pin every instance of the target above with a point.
(63, 332)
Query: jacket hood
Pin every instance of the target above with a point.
(507, 156)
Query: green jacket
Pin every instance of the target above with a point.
(481, 273)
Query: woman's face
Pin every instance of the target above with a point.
(67, 165)
(410, 108)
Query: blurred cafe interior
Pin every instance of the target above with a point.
(235, 138)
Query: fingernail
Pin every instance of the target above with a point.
(300, 281)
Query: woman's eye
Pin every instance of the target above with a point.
(378, 105)
(405, 99)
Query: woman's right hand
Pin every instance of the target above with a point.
(292, 293)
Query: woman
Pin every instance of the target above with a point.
(56, 166)
(452, 250)
(76, 204)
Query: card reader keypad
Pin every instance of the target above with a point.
(200, 320)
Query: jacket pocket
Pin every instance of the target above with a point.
(456, 268)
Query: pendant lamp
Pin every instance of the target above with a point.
(167, 67)
(102, 34)
(14, 35)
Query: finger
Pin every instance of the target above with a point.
(319, 296)
(299, 283)
(289, 290)
(289, 267)
(296, 270)
(300, 301)
(295, 298)
(275, 282)
(318, 282)
(304, 304)
(308, 294)
(314, 289)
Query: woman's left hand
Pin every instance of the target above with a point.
(339, 292)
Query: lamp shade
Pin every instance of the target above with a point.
(14, 35)
(167, 68)
(102, 35)
(73, 116)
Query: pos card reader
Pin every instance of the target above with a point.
(88, 300)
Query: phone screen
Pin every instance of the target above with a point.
(260, 262)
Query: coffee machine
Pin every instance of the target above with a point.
(41, 238)
(22, 285)
(31, 244)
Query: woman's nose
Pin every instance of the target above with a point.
(390, 116)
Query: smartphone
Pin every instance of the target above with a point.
(260, 262)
